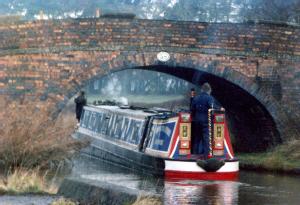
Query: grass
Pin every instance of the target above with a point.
(147, 200)
(141, 200)
(30, 139)
(31, 146)
(63, 201)
(23, 181)
(283, 158)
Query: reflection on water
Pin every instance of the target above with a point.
(201, 192)
(96, 170)
(252, 188)
(269, 189)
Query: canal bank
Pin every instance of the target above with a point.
(251, 163)
(27, 199)
(102, 192)
(93, 181)
(284, 159)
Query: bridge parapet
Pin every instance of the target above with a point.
(249, 39)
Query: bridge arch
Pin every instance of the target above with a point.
(253, 114)
(44, 63)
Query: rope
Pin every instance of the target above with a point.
(210, 131)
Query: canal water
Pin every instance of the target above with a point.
(251, 188)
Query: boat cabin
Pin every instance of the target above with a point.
(155, 132)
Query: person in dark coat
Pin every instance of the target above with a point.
(80, 101)
(192, 96)
(193, 137)
(200, 106)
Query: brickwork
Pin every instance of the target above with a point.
(47, 62)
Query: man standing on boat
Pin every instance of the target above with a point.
(192, 96)
(200, 106)
(80, 101)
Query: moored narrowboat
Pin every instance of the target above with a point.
(157, 141)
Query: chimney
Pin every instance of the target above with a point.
(41, 15)
(97, 13)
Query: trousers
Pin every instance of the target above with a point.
(200, 133)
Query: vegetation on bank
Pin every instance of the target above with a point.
(30, 140)
(63, 201)
(283, 158)
(31, 146)
(22, 181)
(147, 200)
(142, 200)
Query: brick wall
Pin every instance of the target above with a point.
(47, 62)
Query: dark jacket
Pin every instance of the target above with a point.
(200, 106)
(80, 101)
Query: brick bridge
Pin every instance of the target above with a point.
(254, 69)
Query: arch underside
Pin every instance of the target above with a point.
(251, 125)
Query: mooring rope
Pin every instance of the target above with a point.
(210, 131)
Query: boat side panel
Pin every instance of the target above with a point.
(122, 156)
(116, 126)
(163, 137)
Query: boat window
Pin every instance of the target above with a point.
(141, 131)
(160, 135)
(86, 117)
(99, 122)
(124, 128)
(92, 122)
(151, 134)
(111, 124)
(131, 131)
(134, 132)
(117, 127)
(104, 123)
(128, 130)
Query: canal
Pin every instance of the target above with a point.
(251, 188)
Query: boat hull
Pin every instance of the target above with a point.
(149, 165)
(175, 169)
(121, 156)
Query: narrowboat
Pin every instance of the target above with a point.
(157, 142)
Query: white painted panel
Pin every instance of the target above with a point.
(193, 167)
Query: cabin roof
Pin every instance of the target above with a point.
(117, 109)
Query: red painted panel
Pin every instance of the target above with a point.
(173, 175)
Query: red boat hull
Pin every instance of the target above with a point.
(172, 175)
